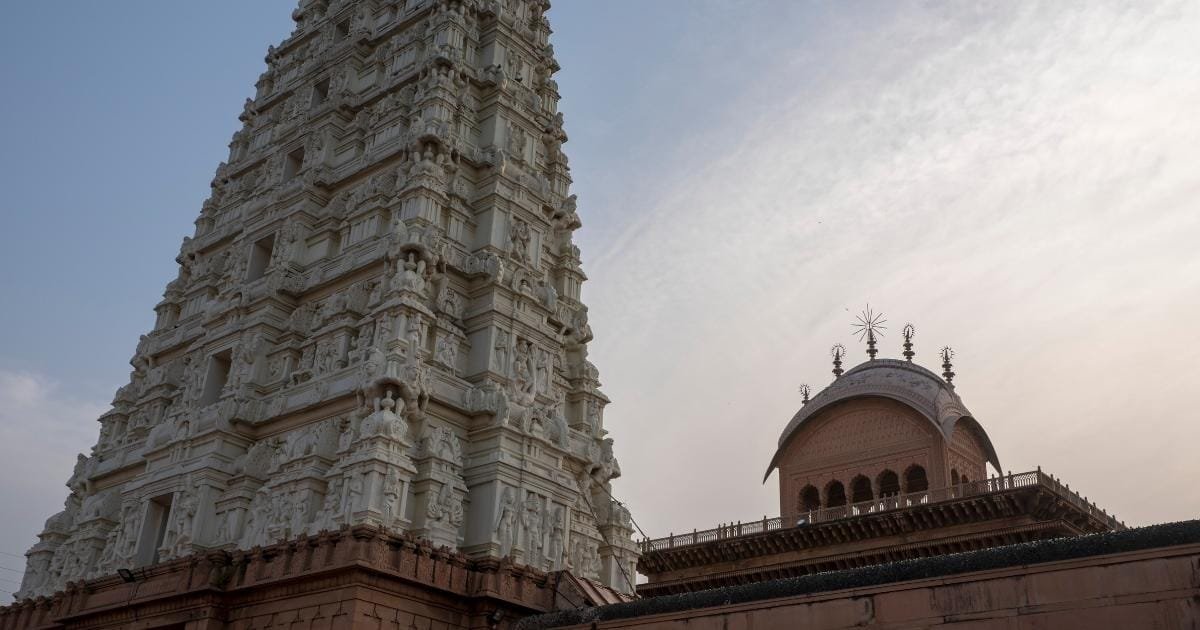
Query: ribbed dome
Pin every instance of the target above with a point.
(904, 382)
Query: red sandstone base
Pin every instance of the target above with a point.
(1158, 589)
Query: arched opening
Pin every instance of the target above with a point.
(954, 480)
(835, 494)
(810, 499)
(860, 490)
(889, 483)
(964, 479)
(915, 479)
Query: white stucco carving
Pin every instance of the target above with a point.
(376, 320)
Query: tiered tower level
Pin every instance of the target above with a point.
(376, 322)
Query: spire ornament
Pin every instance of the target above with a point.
(909, 333)
(838, 351)
(870, 326)
(804, 392)
(947, 372)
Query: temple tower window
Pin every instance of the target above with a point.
(218, 375)
(154, 529)
(260, 258)
(320, 93)
(293, 164)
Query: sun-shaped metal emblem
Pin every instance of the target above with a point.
(869, 324)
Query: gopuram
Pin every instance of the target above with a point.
(374, 342)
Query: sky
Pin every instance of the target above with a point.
(1017, 179)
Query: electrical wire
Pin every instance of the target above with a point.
(608, 542)
(631, 519)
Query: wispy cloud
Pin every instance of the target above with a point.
(1017, 178)
(42, 426)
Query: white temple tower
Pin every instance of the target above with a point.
(376, 321)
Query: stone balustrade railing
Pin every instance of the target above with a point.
(883, 504)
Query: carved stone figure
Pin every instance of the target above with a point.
(301, 512)
(523, 368)
(518, 240)
(554, 551)
(349, 288)
(354, 491)
(531, 522)
(542, 372)
(447, 351)
(500, 360)
(506, 524)
(185, 516)
(391, 498)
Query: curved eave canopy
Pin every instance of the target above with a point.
(906, 383)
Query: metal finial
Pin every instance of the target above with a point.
(870, 325)
(804, 392)
(838, 351)
(909, 333)
(947, 373)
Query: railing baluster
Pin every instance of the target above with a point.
(987, 485)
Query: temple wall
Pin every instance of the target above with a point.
(353, 578)
(966, 455)
(1157, 588)
(861, 437)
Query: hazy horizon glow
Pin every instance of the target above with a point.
(1016, 179)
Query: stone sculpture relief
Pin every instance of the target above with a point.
(311, 364)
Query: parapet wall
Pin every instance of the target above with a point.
(352, 578)
(1143, 578)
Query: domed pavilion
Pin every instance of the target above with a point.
(885, 463)
(883, 429)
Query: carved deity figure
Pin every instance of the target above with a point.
(391, 498)
(346, 436)
(329, 505)
(554, 552)
(560, 433)
(353, 498)
(300, 512)
(500, 355)
(531, 522)
(506, 523)
(547, 294)
(524, 385)
(447, 351)
(411, 275)
(286, 244)
(542, 374)
(185, 516)
(518, 240)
